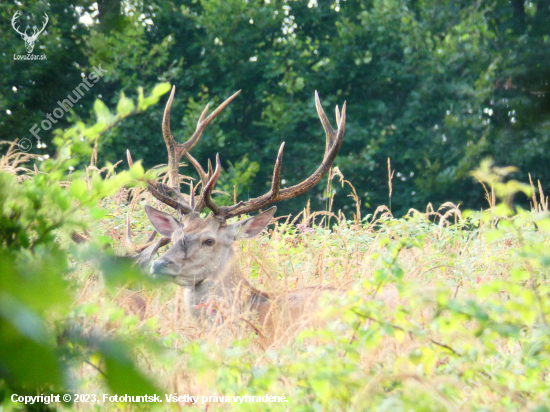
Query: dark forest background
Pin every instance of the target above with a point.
(435, 85)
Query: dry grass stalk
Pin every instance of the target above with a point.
(14, 159)
(538, 205)
(390, 178)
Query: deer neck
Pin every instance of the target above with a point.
(223, 287)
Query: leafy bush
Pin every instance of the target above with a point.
(39, 344)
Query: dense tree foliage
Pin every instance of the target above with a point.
(434, 85)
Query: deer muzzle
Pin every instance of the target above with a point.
(162, 267)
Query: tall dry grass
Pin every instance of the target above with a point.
(309, 249)
(291, 256)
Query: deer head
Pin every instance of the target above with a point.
(29, 40)
(202, 247)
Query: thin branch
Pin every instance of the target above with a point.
(405, 330)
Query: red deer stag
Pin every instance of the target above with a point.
(201, 258)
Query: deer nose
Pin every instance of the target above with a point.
(158, 265)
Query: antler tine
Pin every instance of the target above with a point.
(16, 16)
(129, 158)
(209, 168)
(206, 195)
(192, 195)
(202, 123)
(329, 131)
(205, 198)
(325, 165)
(177, 202)
(171, 146)
(334, 140)
(44, 25)
(210, 187)
(151, 236)
(202, 174)
(276, 181)
(204, 179)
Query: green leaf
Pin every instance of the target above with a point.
(102, 112)
(161, 89)
(140, 98)
(27, 355)
(79, 189)
(125, 106)
(119, 271)
(26, 361)
(98, 213)
(519, 274)
(121, 374)
(136, 171)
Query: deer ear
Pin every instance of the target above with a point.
(163, 222)
(252, 226)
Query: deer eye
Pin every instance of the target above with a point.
(209, 242)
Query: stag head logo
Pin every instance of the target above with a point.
(29, 40)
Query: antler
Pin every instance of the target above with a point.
(16, 15)
(209, 178)
(333, 143)
(176, 152)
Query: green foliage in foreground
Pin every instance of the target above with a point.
(38, 213)
(466, 343)
(470, 332)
